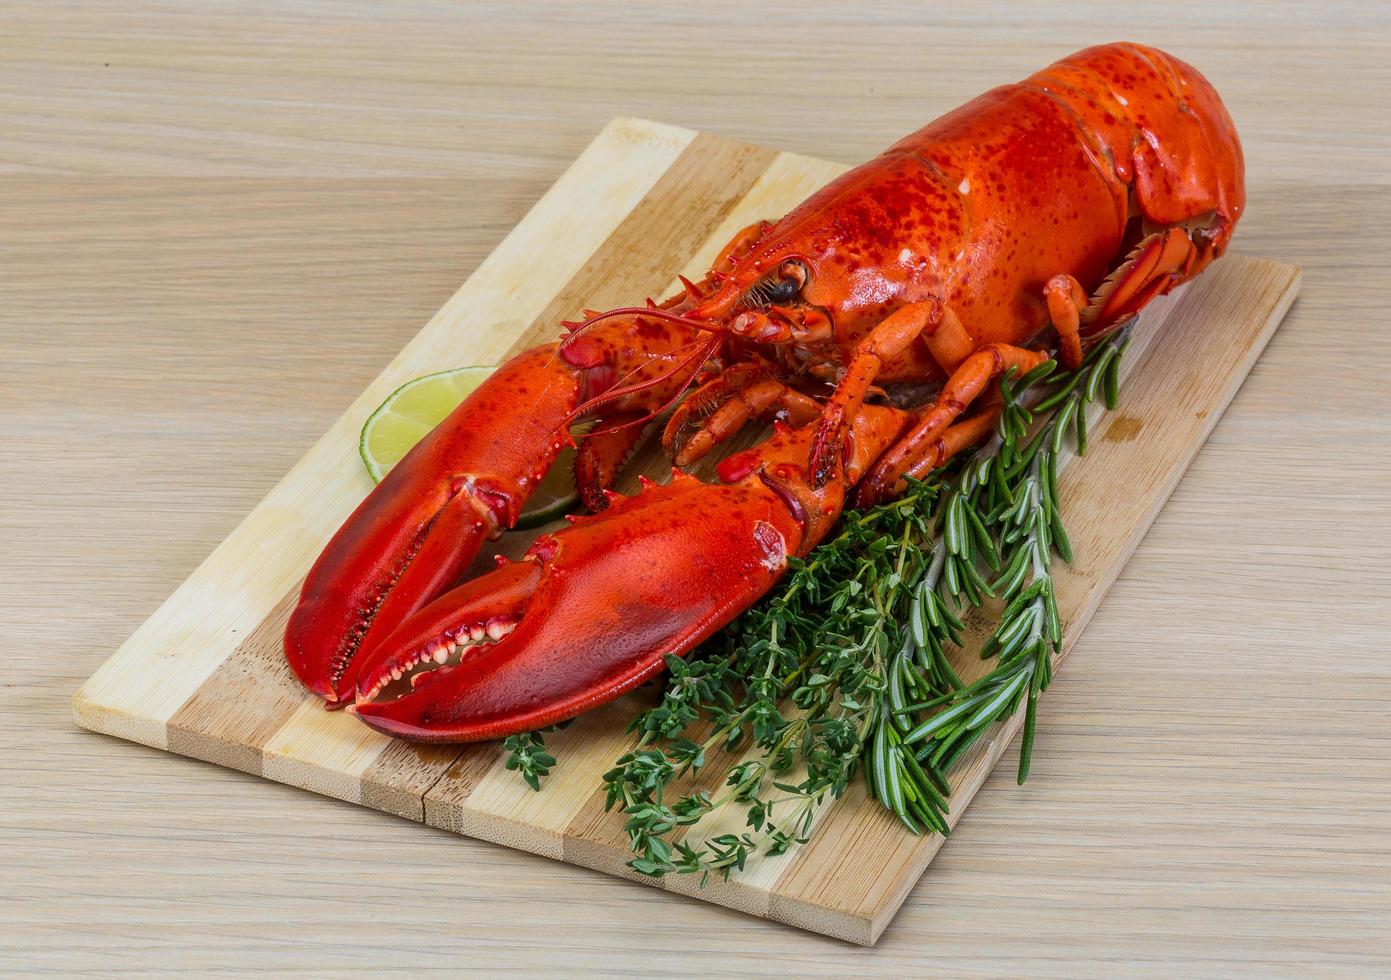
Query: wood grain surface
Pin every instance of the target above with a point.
(219, 221)
(205, 675)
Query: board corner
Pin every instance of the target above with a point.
(639, 129)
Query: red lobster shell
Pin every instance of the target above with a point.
(1040, 215)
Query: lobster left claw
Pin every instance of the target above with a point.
(595, 609)
(423, 525)
(421, 528)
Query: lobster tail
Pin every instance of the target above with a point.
(1169, 139)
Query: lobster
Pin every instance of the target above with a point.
(1029, 223)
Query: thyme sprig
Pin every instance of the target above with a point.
(527, 755)
(795, 687)
(849, 661)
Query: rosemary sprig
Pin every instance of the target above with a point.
(1019, 492)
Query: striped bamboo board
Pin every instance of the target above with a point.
(204, 676)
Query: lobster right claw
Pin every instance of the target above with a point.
(592, 611)
(418, 531)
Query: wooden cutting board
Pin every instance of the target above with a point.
(204, 676)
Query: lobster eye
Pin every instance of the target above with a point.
(796, 271)
(791, 277)
(778, 288)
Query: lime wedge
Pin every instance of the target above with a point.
(416, 407)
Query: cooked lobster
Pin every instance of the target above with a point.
(1034, 219)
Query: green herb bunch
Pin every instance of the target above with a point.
(786, 698)
(847, 663)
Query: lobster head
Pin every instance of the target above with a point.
(836, 265)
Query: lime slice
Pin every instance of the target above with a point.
(418, 406)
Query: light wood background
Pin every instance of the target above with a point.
(218, 221)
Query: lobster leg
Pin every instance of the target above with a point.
(602, 453)
(947, 341)
(688, 440)
(961, 389)
(1156, 265)
(1066, 299)
(954, 439)
(885, 341)
(707, 399)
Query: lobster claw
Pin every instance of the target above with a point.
(418, 531)
(592, 611)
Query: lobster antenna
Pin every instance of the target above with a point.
(655, 312)
(699, 354)
(680, 392)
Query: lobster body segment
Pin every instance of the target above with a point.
(1028, 223)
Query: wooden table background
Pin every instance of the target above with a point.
(217, 222)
